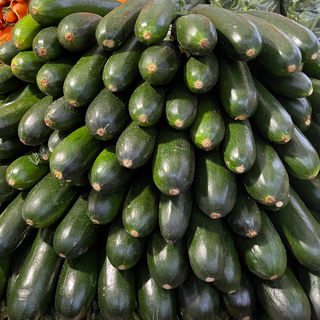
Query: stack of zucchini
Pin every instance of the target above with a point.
(159, 160)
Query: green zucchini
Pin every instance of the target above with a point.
(7, 193)
(236, 88)
(173, 161)
(76, 31)
(44, 152)
(208, 263)
(37, 280)
(107, 115)
(215, 185)
(46, 45)
(314, 98)
(208, 129)
(168, 263)
(12, 147)
(311, 67)
(75, 154)
(312, 135)
(106, 174)
(77, 286)
(121, 69)
(174, 215)
(8, 51)
(140, 208)
(115, 27)
(244, 44)
(5, 262)
(47, 201)
(32, 130)
(8, 81)
(56, 137)
(78, 89)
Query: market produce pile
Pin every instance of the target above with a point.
(159, 160)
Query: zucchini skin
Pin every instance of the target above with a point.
(7, 193)
(5, 262)
(8, 81)
(312, 133)
(12, 147)
(37, 280)
(314, 97)
(8, 51)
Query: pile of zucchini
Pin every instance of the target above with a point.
(159, 160)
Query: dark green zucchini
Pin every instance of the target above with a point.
(40, 272)
(282, 298)
(8, 80)
(115, 27)
(312, 135)
(12, 147)
(32, 129)
(5, 262)
(75, 154)
(47, 201)
(173, 161)
(215, 185)
(135, 145)
(311, 67)
(8, 51)
(107, 114)
(46, 45)
(56, 137)
(76, 31)
(78, 89)
(208, 263)
(77, 286)
(168, 263)
(121, 69)
(44, 152)
(314, 98)
(243, 44)
(7, 193)
(140, 208)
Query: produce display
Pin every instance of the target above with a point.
(159, 159)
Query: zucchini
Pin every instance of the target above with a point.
(311, 67)
(314, 98)
(44, 152)
(7, 193)
(312, 133)
(8, 51)
(8, 81)
(56, 137)
(215, 185)
(5, 262)
(47, 201)
(173, 161)
(12, 147)
(37, 280)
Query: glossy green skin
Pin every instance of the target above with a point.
(208, 129)
(302, 36)
(135, 145)
(81, 26)
(208, 264)
(46, 45)
(154, 301)
(237, 90)
(239, 149)
(116, 292)
(7, 193)
(242, 302)
(103, 208)
(168, 263)
(230, 279)
(56, 137)
(271, 119)
(199, 43)
(8, 81)
(174, 215)
(153, 22)
(121, 69)
(4, 272)
(198, 299)
(8, 51)
(107, 175)
(25, 66)
(107, 115)
(115, 27)
(299, 156)
(44, 152)
(123, 250)
(77, 286)
(75, 154)
(215, 185)
(24, 32)
(299, 231)
(84, 80)
(146, 104)
(173, 161)
(314, 98)
(311, 67)
(201, 73)
(13, 229)
(181, 104)
(312, 135)
(32, 130)
(283, 298)
(47, 201)
(76, 233)
(12, 147)
(24, 172)
(140, 208)
(37, 280)
(60, 115)
(51, 12)
(166, 58)
(243, 45)
(51, 76)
